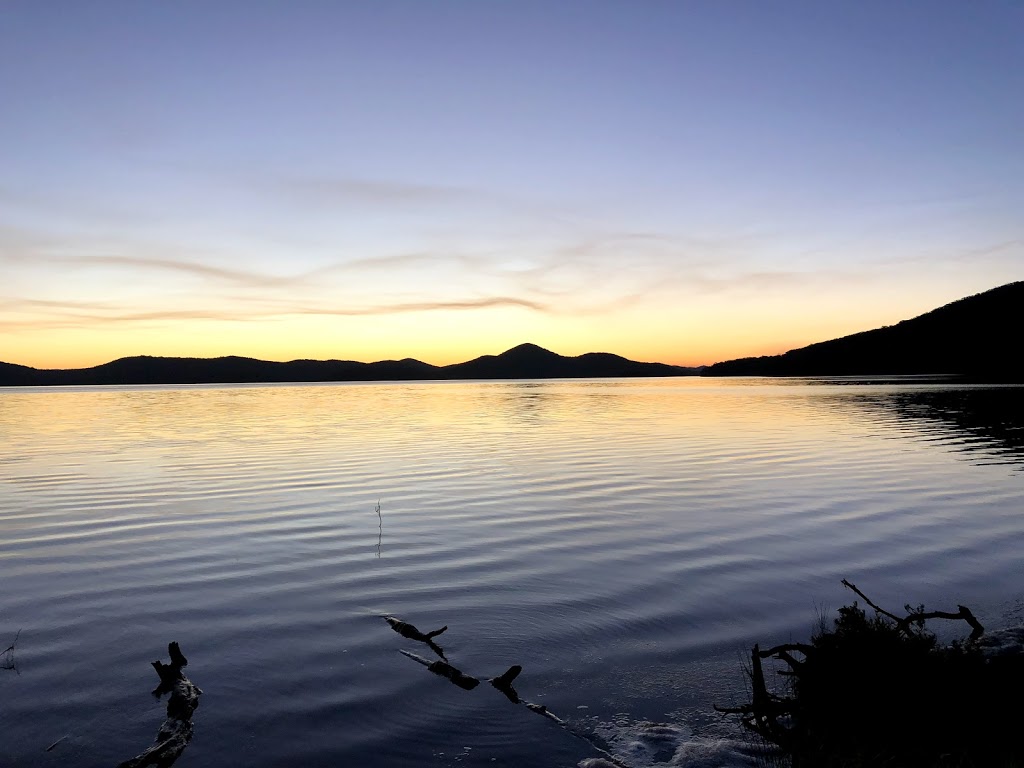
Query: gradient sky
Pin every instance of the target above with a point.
(679, 181)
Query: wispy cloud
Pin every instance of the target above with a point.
(68, 281)
(431, 306)
(339, 190)
(567, 268)
(75, 314)
(11, 303)
(1004, 248)
(180, 266)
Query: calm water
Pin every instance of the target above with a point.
(624, 541)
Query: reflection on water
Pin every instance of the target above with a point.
(985, 423)
(620, 541)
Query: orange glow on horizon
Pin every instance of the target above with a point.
(703, 329)
(435, 338)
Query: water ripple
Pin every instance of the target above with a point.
(622, 540)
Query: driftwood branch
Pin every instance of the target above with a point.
(176, 731)
(503, 683)
(445, 670)
(405, 629)
(804, 648)
(964, 614)
(904, 623)
(784, 652)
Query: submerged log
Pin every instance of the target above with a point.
(175, 732)
(405, 629)
(445, 670)
(503, 683)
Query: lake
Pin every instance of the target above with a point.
(625, 541)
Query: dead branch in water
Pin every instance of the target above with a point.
(7, 661)
(176, 731)
(445, 670)
(503, 682)
(380, 527)
(405, 629)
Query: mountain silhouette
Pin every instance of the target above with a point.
(527, 361)
(972, 337)
(12, 375)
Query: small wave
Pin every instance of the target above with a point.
(645, 744)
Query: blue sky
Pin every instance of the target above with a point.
(684, 181)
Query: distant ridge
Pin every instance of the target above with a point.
(977, 337)
(527, 361)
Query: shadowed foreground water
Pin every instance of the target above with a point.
(624, 541)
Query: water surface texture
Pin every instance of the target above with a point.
(624, 541)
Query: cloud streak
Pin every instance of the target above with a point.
(254, 279)
(349, 191)
(191, 268)
(592, 273)
(598, 273)
(71, 314)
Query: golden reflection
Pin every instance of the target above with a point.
(728, 412)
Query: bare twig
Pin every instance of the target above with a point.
(380, 527)
(8, 654)
(867, 600)
(919, 617)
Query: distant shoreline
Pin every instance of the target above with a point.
(938, 379)
(526, 361)
(963, 339)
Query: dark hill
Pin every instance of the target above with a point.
(218, 370)
(978, 337)
(18, 375)
(527, 361)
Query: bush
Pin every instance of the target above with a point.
(878, 689)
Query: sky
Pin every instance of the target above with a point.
(681, 181)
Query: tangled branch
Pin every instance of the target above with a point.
(880, 690)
